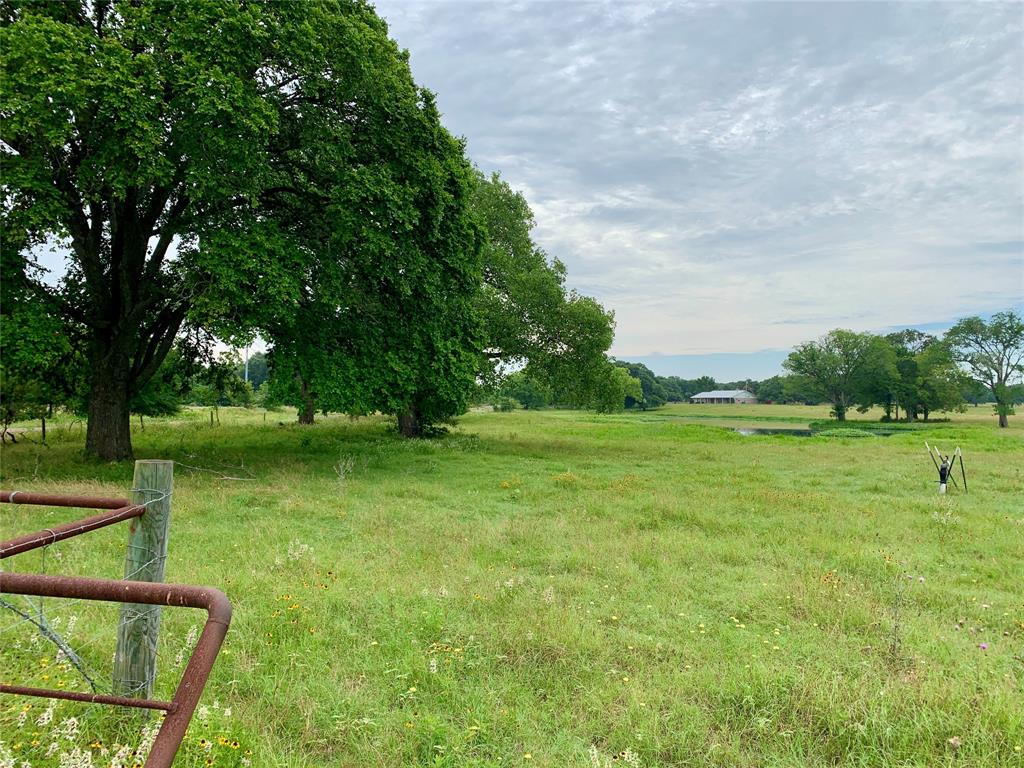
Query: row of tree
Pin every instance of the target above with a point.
(916, 372)
(219, 171)
(908, 373)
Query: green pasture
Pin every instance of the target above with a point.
(555, 588)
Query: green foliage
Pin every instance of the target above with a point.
(528, 316)
(219, 384)
(39, 369)
(652, 394)
(673, 389)
(158, 397)
(285, 152)
(265, 398)
(921, 378)
(842, 366)
(780, 389)
(505, 404)
(385, 320)
(259, 371)
(527, 391)
(677, 390)
(614, 388)
(992, 353)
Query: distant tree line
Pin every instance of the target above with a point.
(909, 374)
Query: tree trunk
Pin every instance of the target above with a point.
(108, 434)
(840, 411)
(308, 409)
(1003, 421)
(409, 423)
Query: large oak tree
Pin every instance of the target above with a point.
(841, 365)
(181, 151)
(993, 354)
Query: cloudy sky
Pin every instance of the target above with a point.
(737, 178)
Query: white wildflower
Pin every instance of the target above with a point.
(549, 595)
(120, 759)
(149, 732)
(190, 641)
(68, 729)
(297, 550)
(77, 758)
(47, 716)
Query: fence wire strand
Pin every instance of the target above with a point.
(130, 613)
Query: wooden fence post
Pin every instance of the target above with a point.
(139, 626)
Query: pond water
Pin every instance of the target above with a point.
(796, 432)
(773, 431)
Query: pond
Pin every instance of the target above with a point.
(773, 431)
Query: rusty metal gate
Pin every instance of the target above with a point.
(186, 698)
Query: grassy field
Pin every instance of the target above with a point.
(558, 589)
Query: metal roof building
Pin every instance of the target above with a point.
(724, 396)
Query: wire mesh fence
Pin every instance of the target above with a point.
(67, 638)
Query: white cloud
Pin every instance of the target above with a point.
(747, 176)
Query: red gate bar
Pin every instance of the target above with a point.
(60, 532)
(122, 509)
(61, 500)
(197, 671)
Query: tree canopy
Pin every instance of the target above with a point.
(993, 354)
(529, 317)
(652, 394)
(840, 364)
(234, 168)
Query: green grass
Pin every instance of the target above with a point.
(537, 586)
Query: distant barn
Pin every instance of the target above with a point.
(724, 396)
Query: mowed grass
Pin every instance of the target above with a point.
(565, 589)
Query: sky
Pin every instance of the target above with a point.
(733, 179)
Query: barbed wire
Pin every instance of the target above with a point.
(130, 613)
(47, 631)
